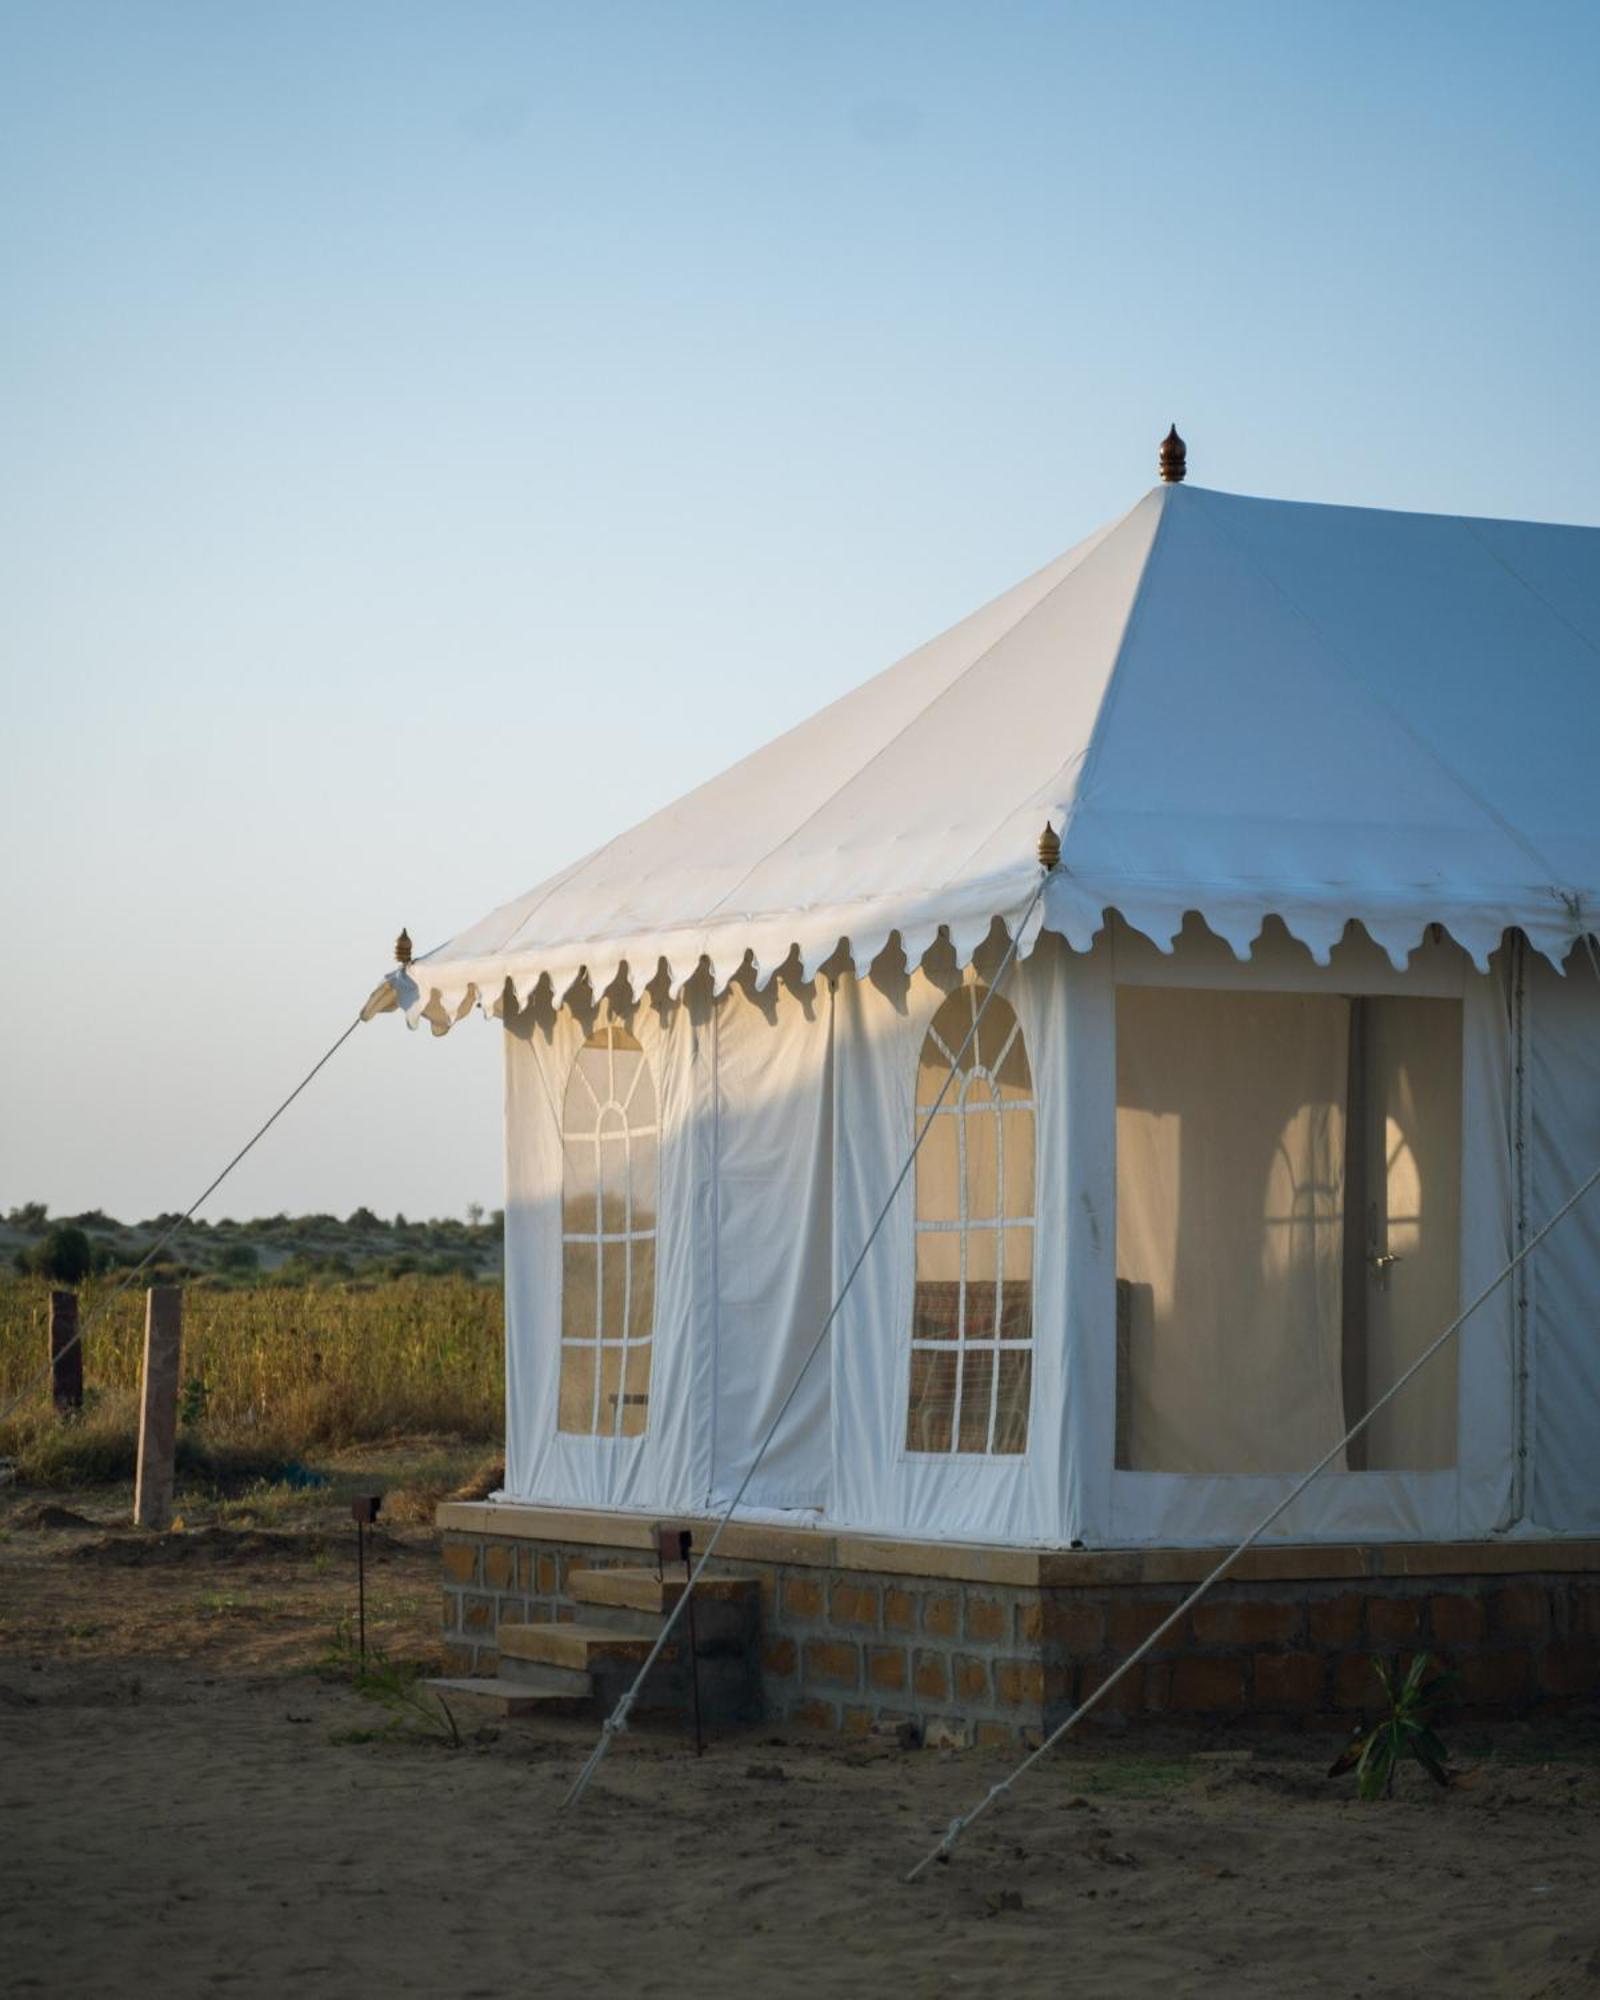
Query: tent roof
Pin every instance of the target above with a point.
(1246, 708)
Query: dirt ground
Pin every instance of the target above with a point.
(189, 1806)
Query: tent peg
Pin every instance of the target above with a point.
(1049, 848)
(402, 948)
(1173, 458)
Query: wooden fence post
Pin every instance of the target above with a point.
(158, 1406)
(66, 1352)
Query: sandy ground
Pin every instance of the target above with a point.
(188, 1807)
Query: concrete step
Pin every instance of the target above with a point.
(717, 1628)
(726, 1609)
(643, 1590)
(606, 1662)
(481, 1696)
(539, 1677)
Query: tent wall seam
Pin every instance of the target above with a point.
(1521, 1167)
(714, 1303)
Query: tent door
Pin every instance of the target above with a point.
(1402, 1257)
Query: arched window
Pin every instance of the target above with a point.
(608, 1238)
(972, 1319)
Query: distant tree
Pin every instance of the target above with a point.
(238, 1257)
(93, 1218)
(497, 1223)
(64, 1255)
(475, 1214)
(30, 1215)
(363, 1222)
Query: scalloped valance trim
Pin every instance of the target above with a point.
(441, 992)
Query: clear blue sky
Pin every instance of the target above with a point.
(431, 437)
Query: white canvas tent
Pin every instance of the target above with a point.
(1299, 1044)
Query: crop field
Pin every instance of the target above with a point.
(270, 1371)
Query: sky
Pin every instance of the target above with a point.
(433, 437)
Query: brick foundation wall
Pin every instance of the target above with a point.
(1301, 1656)
(980, 1661)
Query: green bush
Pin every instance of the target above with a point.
(64, 1255)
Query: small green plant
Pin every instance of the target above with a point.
(192, 1400)
(415, 1715)
(1406, 1730)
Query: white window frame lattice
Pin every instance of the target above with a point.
(619, 1108)
(955, 1105)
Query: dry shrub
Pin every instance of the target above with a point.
(487, 1479)
(416, 1504)
(413, 1506)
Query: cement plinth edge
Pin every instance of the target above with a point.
(822, 1548)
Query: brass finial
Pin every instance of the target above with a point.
(402, 948)
(1174, 457)
(1049, 848)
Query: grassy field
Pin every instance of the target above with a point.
(270, 1372)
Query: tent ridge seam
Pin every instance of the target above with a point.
(1090, 754)
(950, 686)
(1472, 527)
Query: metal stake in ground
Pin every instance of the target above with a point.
(158, 1406)
(363, 1512)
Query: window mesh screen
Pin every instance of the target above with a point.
(1288, 1228)
(608, 1238)
(972, 1317)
